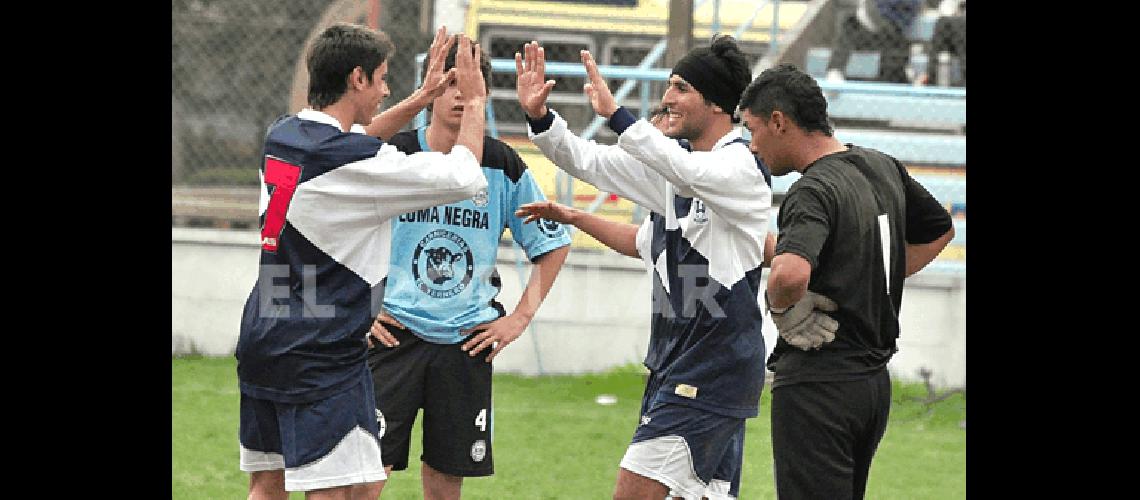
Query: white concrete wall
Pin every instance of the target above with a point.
(211, 274)
(596, 316)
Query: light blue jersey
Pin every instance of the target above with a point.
(442, 275)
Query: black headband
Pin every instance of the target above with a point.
(709, 75)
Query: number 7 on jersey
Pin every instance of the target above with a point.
(283, 177)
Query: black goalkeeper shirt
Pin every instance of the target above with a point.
(851, 216)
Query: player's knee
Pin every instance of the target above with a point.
(267, 485)
(367, 491)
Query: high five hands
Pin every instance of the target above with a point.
(469, 78)
(597, 90)
(533, 88)
(531, 85)
(436, 80)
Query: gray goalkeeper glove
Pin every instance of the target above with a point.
(802, 324)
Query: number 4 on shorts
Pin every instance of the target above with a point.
(481, 420)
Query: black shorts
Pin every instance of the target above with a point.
(453, 389)
(824, 435)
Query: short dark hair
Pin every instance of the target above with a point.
(449, 62)
(338, 50)
(792, 92)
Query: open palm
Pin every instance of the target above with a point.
(532, 86)
(436, 80)
(547, 210)
(597, 90)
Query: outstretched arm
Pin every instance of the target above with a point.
(469, 81)
(725, 179)
(387, 123)
(621, 237)
(606, 167)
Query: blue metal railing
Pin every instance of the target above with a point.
(896, 89)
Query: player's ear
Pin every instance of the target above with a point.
(356, 79)
(778, 121)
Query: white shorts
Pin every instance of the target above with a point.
(667, 460)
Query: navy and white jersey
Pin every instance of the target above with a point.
(851, 215)
(442, 275)
(327, 198)
(703, 244)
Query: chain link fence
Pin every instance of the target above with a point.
(232, 66)
(239, 64)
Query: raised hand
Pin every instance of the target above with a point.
(435, 80)
(548, 210)
(532, 86)
(597, 90)
(469, 78)
(386, 124)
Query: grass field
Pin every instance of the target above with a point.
(552, 441)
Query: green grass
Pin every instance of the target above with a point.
(553, 442)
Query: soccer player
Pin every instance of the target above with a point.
(307, 420)
(703, 242)
(441, 326)
(851, 229)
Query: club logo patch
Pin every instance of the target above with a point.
(478, 450)
(380, 423)
(480, 198)
(552, 229)
(442, 264)
(700, 216)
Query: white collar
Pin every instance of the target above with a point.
(319, 117)
(732, 135)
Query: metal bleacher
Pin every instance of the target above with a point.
(921, 126)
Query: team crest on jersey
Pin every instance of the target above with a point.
(480, 198)
(552, 229)
(442, 264)
(478, 450)
(700, 216)
(380, 424)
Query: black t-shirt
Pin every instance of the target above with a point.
(851, 216)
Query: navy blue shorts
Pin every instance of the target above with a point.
(696, 453)
(324, 444)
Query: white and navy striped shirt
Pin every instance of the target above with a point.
(327, 201)
(703, 242)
